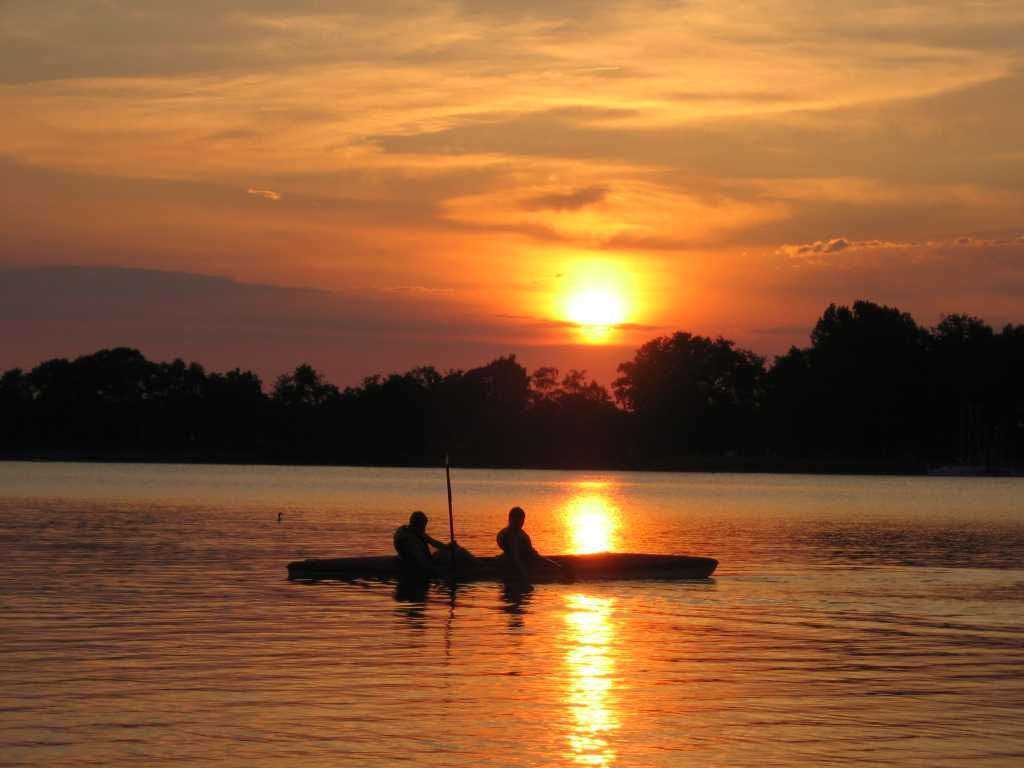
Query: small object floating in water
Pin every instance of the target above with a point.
(603, 566)
(280, 516)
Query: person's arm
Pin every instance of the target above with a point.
(564, 573)
(550, 562)
(535, 555)
(435, 543)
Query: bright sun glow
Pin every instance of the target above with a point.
(594, 298)
(592, 521)
(596, 307)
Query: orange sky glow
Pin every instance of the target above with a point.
(374, 186)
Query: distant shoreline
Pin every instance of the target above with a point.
(701, 465)
(874, 394)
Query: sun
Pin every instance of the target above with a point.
(593, 299)
(596, 306)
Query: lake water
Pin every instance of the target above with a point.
(853, 621)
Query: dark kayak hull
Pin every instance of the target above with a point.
(604, 566)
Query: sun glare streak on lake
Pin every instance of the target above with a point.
(591, 692)
(592, 520)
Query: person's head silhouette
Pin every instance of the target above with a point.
(418, 521)
(516, 517)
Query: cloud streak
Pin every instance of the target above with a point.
(567, 201)
(266, 194)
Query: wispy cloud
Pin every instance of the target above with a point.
(835, 245)
(840, 244)
(418, 290)
(535, 321)
(567, 201)
(266, 194)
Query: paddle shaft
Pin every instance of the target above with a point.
(451, 515)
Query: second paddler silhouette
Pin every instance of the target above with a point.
(520, 559)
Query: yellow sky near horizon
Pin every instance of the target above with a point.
(737, 167)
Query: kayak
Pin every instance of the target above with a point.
(603, 566)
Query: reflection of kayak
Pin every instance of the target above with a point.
(604, 566)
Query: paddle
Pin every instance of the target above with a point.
(451, 518)
(451, 515)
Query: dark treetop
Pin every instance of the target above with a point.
(874, 391)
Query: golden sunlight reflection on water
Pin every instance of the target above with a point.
(591, 690)
(592, 519)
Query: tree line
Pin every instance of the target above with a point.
(873, 391)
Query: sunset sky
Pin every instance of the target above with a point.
(369, 186)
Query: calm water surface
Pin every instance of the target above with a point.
(146, 620)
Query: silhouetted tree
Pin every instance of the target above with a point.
(304, 400)
(963, 368)
(16, 426)
(572, 423)
(1009, 395)
(543, 382)
(303, 388)
(860, 390)
(483, 410)
(691, 394)
(872, 388)
(394, 418)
